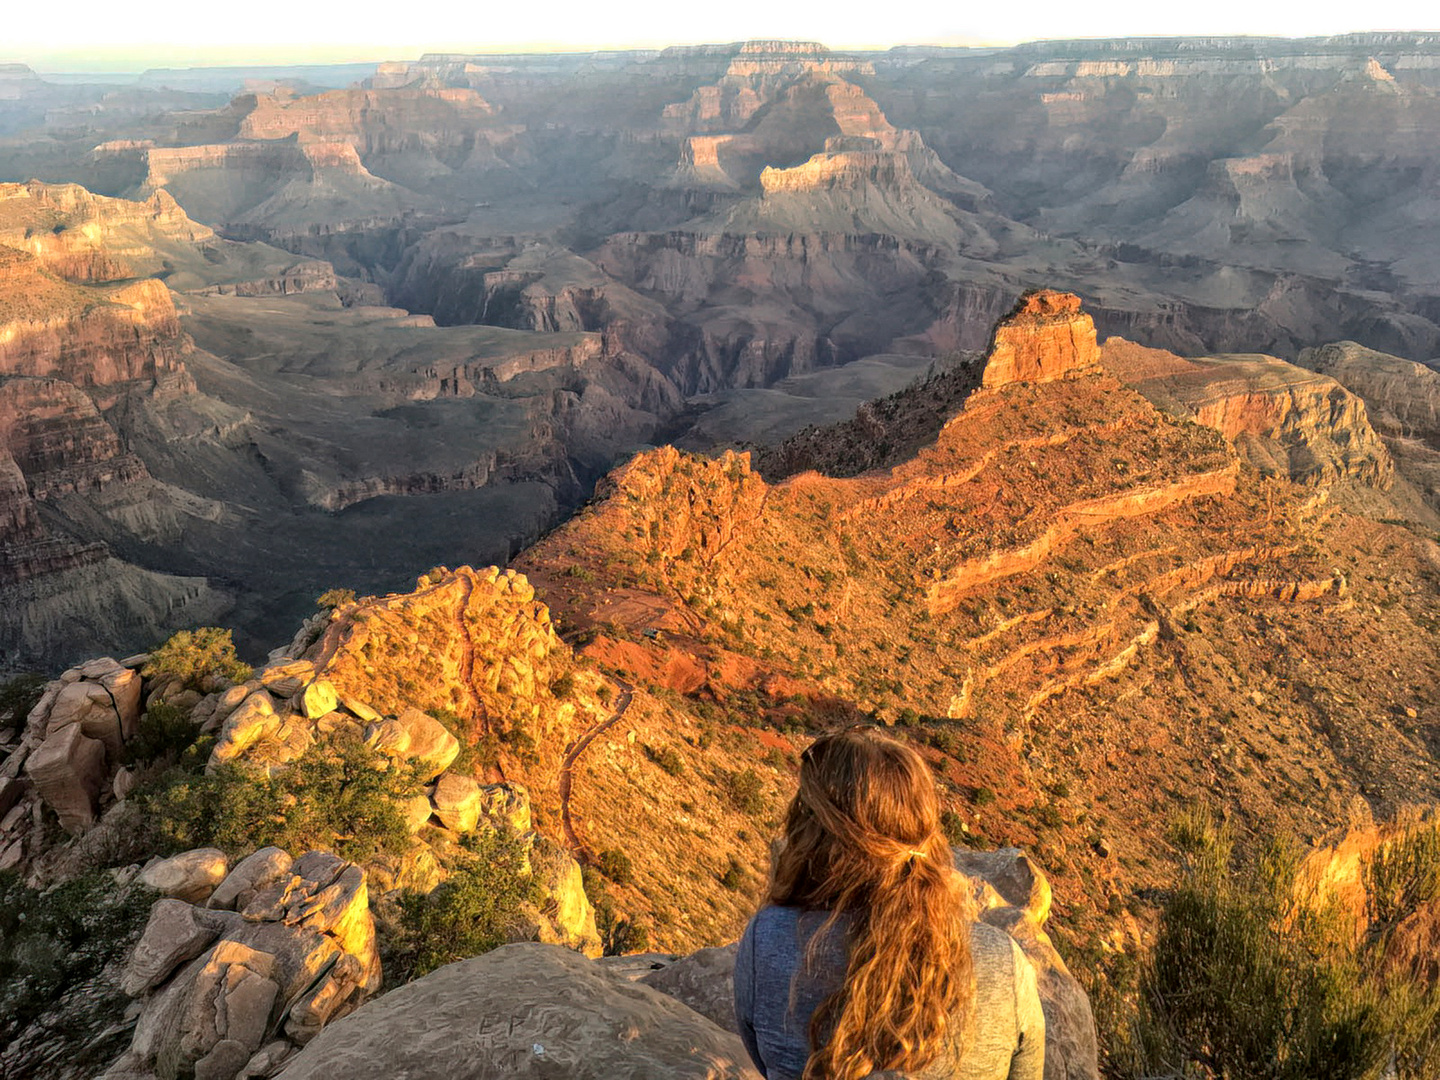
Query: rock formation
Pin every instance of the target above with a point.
(1283, 419)
(1403, 399)
(1045, 337)
(1012, 893)
(1029, 585)
(522, 1011)
(73, 349)
(1057, 593)
(528, 1007)
(229, 988)
(73, 738)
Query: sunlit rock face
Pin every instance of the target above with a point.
(1046, 337)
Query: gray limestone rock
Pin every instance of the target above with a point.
(430, 746)
(457, 802)
(704, 980)
(68, 771)
(258, 870)
(176, 932)
(522, 1012)
(191, 875)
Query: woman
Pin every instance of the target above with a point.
(865, 960)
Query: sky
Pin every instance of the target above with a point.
(110, 35)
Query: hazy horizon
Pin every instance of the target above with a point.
(104, 38)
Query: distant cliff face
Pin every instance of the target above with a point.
(1403, 400)
(1283, 419)
(81, 236)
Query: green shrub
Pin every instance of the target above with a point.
(60, 940)
(563, 688)
(1249, 979)
(734, 876)
(616, 866)
(164, 732)
(619, 934)
(335, 598)
(946, 740)
(984, 796)
(743, 789)
(1402, 875)
(776, 759)
(19, 695)
(471, 912)
(668, 758)
(339, 796)
(193, 654)
(955, 829)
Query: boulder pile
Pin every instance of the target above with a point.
(237, 969)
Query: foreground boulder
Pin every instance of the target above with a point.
(231, 993)
(1013, 894)
(75, 733)
(521, 1011)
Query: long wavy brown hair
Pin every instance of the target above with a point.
(863, 841)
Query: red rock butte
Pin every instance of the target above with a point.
(1045, 337)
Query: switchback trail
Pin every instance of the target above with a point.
(572, 755)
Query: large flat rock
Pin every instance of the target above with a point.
(523, 1011)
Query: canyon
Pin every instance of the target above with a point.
(1083, 604)
(557, 260)
(569, 439)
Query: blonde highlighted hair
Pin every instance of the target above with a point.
(863, 841)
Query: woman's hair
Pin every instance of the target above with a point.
(863, 840)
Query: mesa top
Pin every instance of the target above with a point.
(1005, 1039)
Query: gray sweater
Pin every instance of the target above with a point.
(1005, 1041)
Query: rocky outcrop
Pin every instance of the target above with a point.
(294, 708)
(371, 121)
(88, 336)
(81, 236)
(62, 597)
(74, 735)
(311, 275)
(475, 643)
(1402, 398)
(1013, 894)
(704, 980)
(1046, 336)
(524, 1011)
(230, 989)
(1283, 419)
(57, 437)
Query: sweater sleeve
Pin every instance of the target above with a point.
(1028, 1063)
(745, 995)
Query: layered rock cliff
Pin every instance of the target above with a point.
(1283, 419)
(1403, 399)
(1045, 337)
(1061, 583)
(81, 236)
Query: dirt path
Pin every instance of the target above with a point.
(467, 659)
(567, 769)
